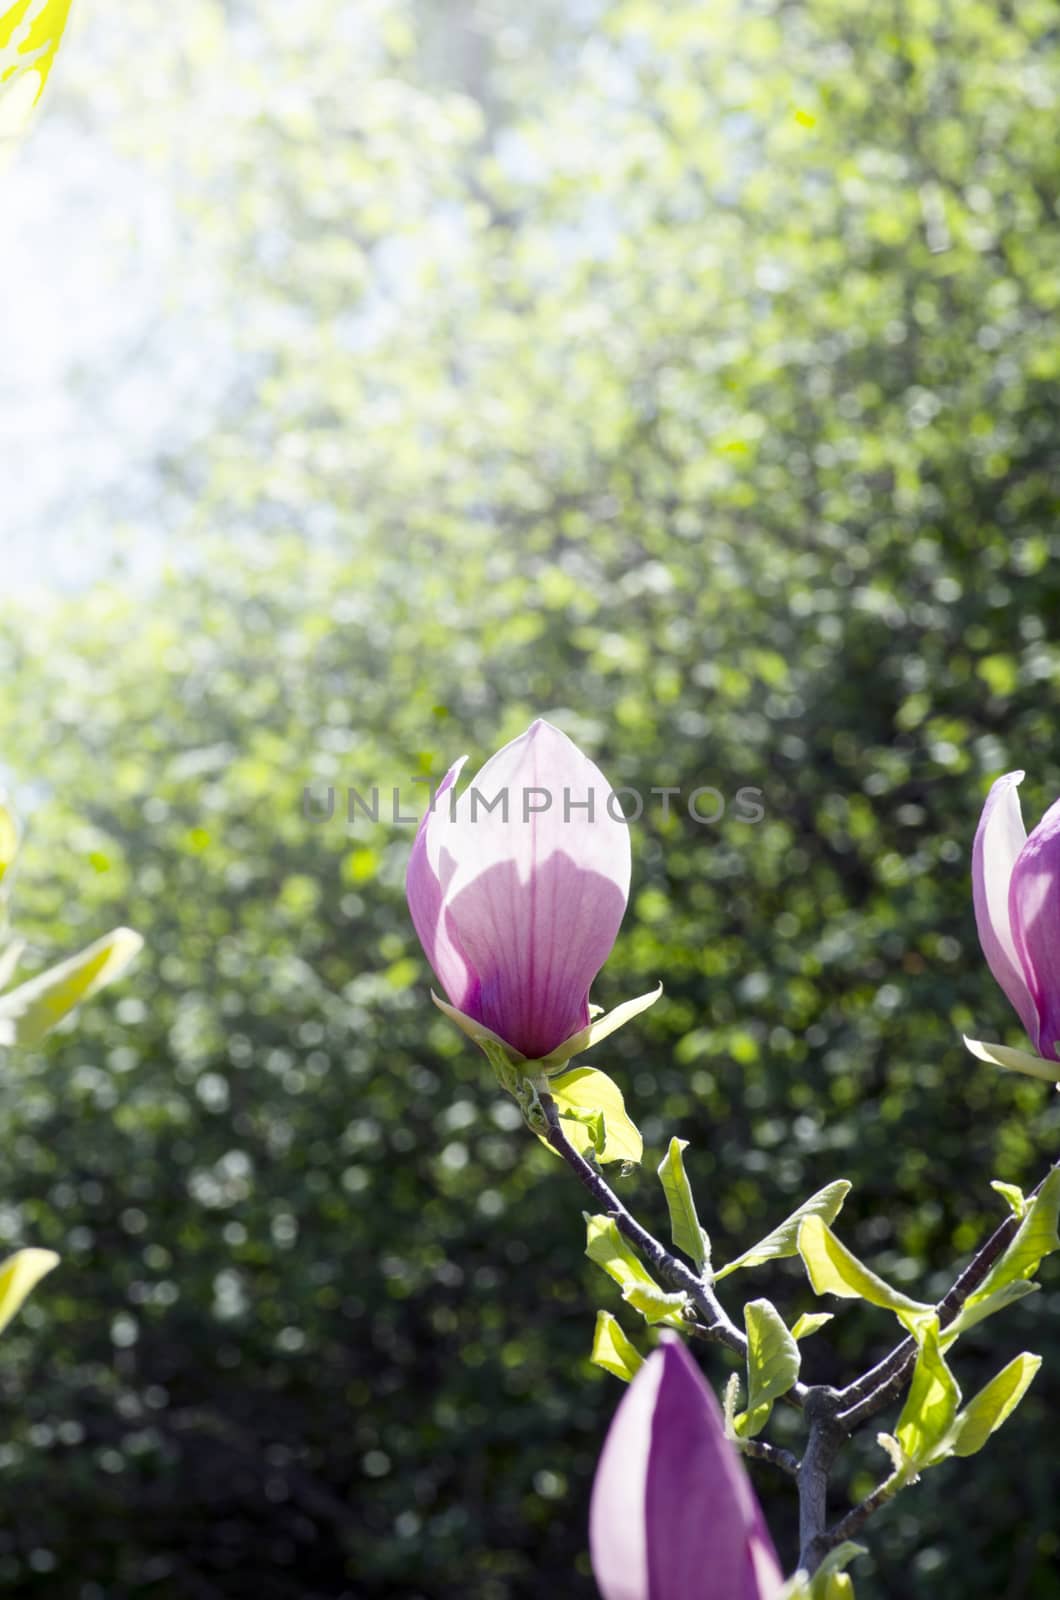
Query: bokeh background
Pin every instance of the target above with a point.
(380, 375)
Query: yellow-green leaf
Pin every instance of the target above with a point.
(974, 1310)
(833, 1269)
(607, 1248)
(18, 1275)
(1013, 1195)
(994, 1403)
(28, 1012)
(584, 1093)
(655, 1305)
(612, 1350)
(773, 1362)
(685, 1230)
(810, 1322)
(784, 1240)
(931, 1403)
(1035, 1237)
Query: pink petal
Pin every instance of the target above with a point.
(1034, 909)
(424, 892)
(998, 841)
(673, 1513)
(533, 900)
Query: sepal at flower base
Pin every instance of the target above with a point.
(1004, 1055)
(591, 1107)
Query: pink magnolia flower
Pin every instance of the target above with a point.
(517, 888)
(1016, 891)
(673, 1514)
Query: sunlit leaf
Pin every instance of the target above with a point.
(810, 1322)
(833, 1269)
(783, 1241)
(612, 1350)
(655, 1305)
(584, 1093)
(773, 1362)
(35, 1007)
(976, 1310)
(994, 1403)
(19, 1274)
(932, 1401)
(1035, 1237)
(606, 1247)
(685, 1230)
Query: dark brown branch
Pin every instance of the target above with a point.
(719, 1326)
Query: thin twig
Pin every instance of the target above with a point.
(855, 1519)
(775, 1454)
(719, 1325)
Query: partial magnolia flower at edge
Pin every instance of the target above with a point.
(517, 907)
(673, 1514)
(1016, 893)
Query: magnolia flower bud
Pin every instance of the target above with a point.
(673, 1514)
(1016, 890)
(517, 889)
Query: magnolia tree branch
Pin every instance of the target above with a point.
(832, 1414)
(719, 1325)
(853, 1405)
(883, 1382)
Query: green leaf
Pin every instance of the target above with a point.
(655, 1305)
(773, 1363)
(1035, 1237)
(32, 1009)
(994, 1403)
(833, 1269)
(1003, 1055)
(783, 1241)
(18, 1275)
(584, 1094)
(931, 1403)
(810, 1322)
(685, 1230)
(607, 1248)
(974, 1311)
(1014, 1195)
(612, 1350)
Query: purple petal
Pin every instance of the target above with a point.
(1034, 909)
(424, 892)
(998, 841)
(533, 890)
(673, 1513)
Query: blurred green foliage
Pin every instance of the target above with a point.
(688, 378)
